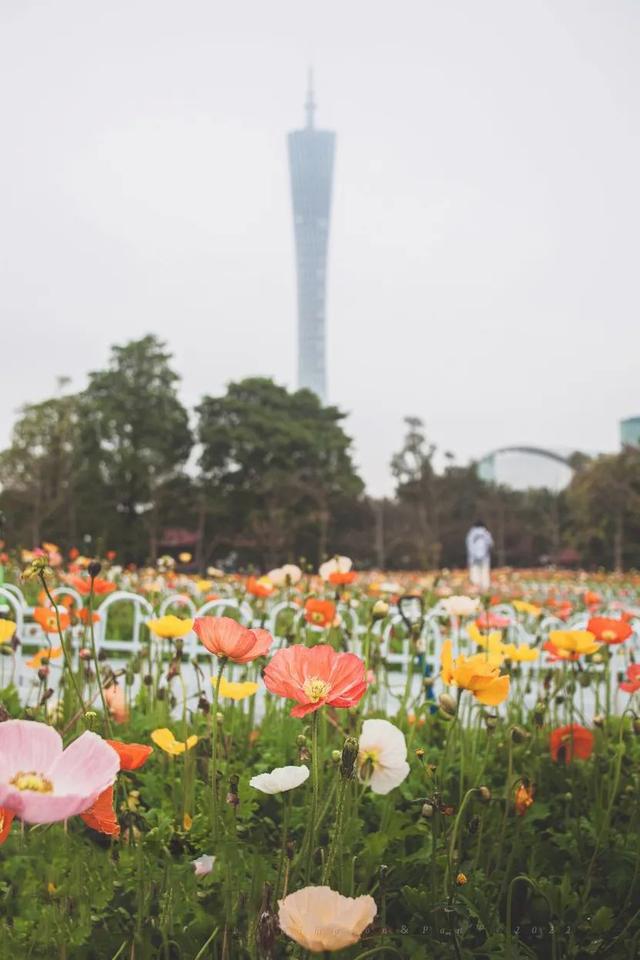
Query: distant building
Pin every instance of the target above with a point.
(526, 467)
(630, 432)
(311, 154)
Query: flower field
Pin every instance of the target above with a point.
(316, 763)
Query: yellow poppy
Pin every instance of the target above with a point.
(45, 654)
(164, 738)
(477, 674)
(7, 630)
(522, 606)
(170, 627)
(521, 654)
(235, 691)
(578, 642)
(203, 586)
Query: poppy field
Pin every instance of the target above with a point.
(316, 762)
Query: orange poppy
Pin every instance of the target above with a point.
(321, 613)
(259, 588)
(132, 755)
(46, 617)
(591, 599)
(339, 578)
(523, 799)
(83, 585)
(83, 616)
(608, 630)
(45, 654)
(101, 816)
(569, 742)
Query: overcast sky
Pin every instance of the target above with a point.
(483, 268)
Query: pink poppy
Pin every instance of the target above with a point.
(227, 638)
(314, 676)
(42, 783)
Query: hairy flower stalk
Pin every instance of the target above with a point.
(315, 791)
(214, 753)
(93, 572)
(67, 664)
(347, 775)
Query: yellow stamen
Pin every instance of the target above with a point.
(32, 781)
(316, 689)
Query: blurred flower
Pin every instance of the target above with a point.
(203, 865)
(320, 919)
(280, 779)
(235, 691)
(573, 642)
(185, 557)
(116, 703)
(608, 630)
(528, 608)
(41, 782)
(321, 613)
(227, 638)
(6, 819)
(261, 587)
(170, 627)
(458, 606)
(490, 619)
(83, 585)
(632, 683)
(571, 741)
(7, 630)
(337, 565)
(38, 658)
(83, 615)
(164, 738)
(314, 676)
(288, 575)
(382, 756)
(476, 674)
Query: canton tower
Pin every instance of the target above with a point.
(311, 167)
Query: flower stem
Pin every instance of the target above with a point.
(94, 653)
(315, 772)
(67, 658)
(337, 833)
(214, 753)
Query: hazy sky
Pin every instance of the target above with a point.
(483, 266)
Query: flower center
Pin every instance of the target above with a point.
(316, 689)
(367, 762)
(317, 617)
(608, 635)
(32, 781)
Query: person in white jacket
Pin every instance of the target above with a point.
(479, 546)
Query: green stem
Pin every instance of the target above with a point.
(67, 658)
(96, 665)
(454, 835)
(337, 833)
(214, 753)
(315, 773)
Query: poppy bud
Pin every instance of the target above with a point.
(336, 756)
(420, 753)
(232, 796)
(349, 758)
(147, 680)
(43, 673)
(267, 926)
(484, 794)
(161, 693)
(290, 850)
(519, 735)
(598, 720)
(204, 705)
(304, 755)
(5, 650)
(427, 811)
(461, 879)
(490, 721)
(447, 705)
(102, 655)
(584, 678)
(301, 740)
(84, 653)
(94, 569)
(380, 610)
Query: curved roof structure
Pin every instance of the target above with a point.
(525, 466)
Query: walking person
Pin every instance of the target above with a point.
(479, 546)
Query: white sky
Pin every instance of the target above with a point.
(484, 250)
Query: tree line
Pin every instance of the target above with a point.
(263, 475)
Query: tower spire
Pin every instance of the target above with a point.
(310, 103)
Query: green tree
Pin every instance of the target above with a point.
(136, 439)
(415, 476)
(276, 462)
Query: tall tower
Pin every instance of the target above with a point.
(311, 167)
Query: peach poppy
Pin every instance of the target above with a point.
(571, 741)
(225, 637)
(132, 755)
(101, 816)
(116, 703)
(608, 630)
(321, 613)
(319, 918)
(632, 683)
(46, 618)
(315, 676)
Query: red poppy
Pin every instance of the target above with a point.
(6, 819)
(569, 742)
(321, 613)
(74, 553)
(495, 620)
(608, 630)
(132, 755)
(591, 599)
(101, 816)
(632, 683)
(110, 555)
(83, 585)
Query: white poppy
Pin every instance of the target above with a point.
(280, 779)
(382, 756)
(284, 576)
(335, 565)
(203, 865)
(457, 606)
